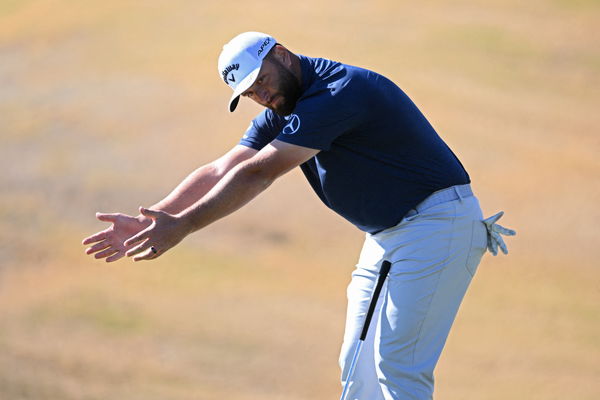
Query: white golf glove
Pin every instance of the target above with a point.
(493, 234)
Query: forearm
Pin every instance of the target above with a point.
(197, 184)
(249, 174)
(233, 191)
(190, 190)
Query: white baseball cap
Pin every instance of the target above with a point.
(240, 61)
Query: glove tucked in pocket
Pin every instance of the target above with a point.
(494, 232)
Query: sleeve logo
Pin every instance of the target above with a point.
(292, 126)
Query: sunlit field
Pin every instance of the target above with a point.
(107, 105)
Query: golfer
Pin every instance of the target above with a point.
(372, 157)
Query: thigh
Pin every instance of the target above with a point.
(433, 259)
(361, 287)
(364, 382)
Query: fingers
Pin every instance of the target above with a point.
(143, 235)
(138, 249)
(490, 244)
(493, 247)
(108, 243)
(496, 241)
(95, 237)
(107, 217)
(502, 245)
(492, 220)
(148, 255)
(494, 232)
(143, 252)
(97, 247)
(102, 234)
(106, 253)
(503, 230)
(115, 257)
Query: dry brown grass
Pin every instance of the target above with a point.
(105, 105)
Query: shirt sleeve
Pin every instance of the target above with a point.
(318, 121)
(262, 130)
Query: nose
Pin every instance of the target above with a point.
(263, 95)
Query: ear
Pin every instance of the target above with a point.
(283, 55)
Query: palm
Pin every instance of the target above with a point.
(109, 243)
(124, 228)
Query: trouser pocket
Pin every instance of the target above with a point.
(478, 246)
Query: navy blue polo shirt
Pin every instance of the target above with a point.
(379, 156)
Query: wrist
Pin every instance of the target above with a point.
(185, 222)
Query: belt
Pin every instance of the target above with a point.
(442, 196)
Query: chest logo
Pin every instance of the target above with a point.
(292, 126)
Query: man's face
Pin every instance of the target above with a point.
(275, 88)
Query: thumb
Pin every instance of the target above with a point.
(149, 213)
(106, 217)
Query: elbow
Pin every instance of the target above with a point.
(262, 178)
(256, 174)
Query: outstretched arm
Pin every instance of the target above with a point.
(202, 180)
(240, 185)
(109, 243)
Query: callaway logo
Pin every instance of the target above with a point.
(292, 126)
(228, 70)
(262, 46)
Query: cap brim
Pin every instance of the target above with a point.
(242, 87)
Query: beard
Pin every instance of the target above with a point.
(289, 90)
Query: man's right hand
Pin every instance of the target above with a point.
(109, 243)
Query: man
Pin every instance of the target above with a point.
(371, 156)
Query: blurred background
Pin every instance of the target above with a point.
(106, 105)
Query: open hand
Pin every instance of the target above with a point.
(110, 243)
(165, 231)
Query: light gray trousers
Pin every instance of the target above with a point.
(434, 250)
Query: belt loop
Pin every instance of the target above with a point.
(458, 193)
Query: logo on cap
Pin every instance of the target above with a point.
(227, 70)
(262, 46)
